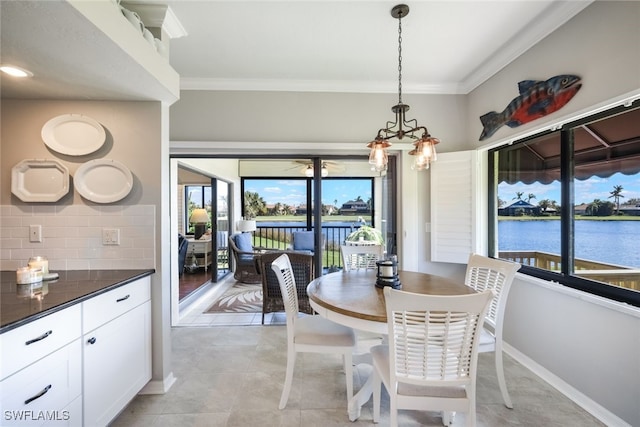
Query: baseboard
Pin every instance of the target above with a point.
(586, 403)
(159, 387)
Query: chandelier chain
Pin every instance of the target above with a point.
(424, 146)
(400, 58)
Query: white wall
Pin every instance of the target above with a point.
(137, 136)
(72, 227)
(601, 44)
(585, 345)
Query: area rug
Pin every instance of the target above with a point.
(240, 298)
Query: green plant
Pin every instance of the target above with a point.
(366, 233)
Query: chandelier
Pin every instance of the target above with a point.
(424, 145)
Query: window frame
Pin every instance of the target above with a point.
(567, 218)
(186, 204)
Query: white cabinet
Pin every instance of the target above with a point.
(46, 392)
(79, 366)
(39, 371)
(201, 249)
(117, 350)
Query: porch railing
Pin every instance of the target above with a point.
(617, 275)
(279, 237)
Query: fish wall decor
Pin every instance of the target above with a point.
(537, 99)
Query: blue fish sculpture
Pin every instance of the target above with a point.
(537, 99)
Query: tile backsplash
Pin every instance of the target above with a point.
(72, 236)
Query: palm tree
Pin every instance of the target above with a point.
(530, 196)
(594, 207)
(519, 195)
(616, 194)
(253, 204)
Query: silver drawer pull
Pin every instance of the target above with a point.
(39, 395)
(123, 298)
(41, 337)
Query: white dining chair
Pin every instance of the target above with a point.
(430, 362)
(363, 257)
(313, 334)
(482, 274)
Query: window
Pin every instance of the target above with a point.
(566, 204)
(284, 206)
(196, 197)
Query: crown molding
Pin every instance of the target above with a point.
(343, 86)
(557, 14)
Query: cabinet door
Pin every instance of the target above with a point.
(117, 364)
(42, 394)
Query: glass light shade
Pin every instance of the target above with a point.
(424, 152)
(308, 172)
(246, 225)
(199, 216)
(378, 157)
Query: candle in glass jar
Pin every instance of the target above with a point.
(23, 276)
(386, 271)
(39, 262)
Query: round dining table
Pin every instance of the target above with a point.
(352, 299)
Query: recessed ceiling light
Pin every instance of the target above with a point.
(14, 71)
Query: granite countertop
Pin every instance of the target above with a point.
(21, 304)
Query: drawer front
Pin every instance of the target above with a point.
(200, 246)
(24, 345)
(103, 308)
(44, 393)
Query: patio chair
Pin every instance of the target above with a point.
(303, 272)
(313, 334)
(245, 258)
(431, 360)
(361, 257)
(482, 274)
(304, 241)
(183, 246)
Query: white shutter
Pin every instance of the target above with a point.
(453, 201)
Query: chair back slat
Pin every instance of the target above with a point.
(361, 257)
(485, 273)
(281, 266)
(433, 338)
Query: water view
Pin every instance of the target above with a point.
(614, 242)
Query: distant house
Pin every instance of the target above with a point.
(631, 210)
(355, 207)
(580, 209)
(519, 208)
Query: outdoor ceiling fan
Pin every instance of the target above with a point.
(326, 165)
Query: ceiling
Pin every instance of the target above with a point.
(347, 46)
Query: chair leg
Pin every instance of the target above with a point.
(377, 391)
(501, 381)
(348, 371)
(447, 418)
(291, 361)
(393, 410)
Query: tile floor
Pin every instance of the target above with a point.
(230, 372)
